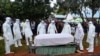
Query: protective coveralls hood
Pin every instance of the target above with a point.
(17, 21)
(8, 19)
(41, 29)
(17, 33)
(90, 37)
(67, 28)
(52, 28)
(28, 31)
(79, 34)
(7, 33)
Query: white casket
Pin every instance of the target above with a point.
(52, 39)
(53, 44)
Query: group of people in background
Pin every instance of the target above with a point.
(14, 35)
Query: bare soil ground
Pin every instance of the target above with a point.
(95, 53)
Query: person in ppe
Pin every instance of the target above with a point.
(28, 32)
(79, 35)
(52, 28)
(17, 33)
(7, 34)
(91, 36)
(41, 29)
(67, 28)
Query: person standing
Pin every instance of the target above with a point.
(17, 33)
(91, 36)
(41, 29)
(28, 32)
(52, 28)
(79, 35)
(7, 34)
(66, 28)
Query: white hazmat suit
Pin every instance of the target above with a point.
(79, 35)
(17, 33)
(28, 31)
(67, 28)
(90, 37)
(41, 29)
(52, 28)
(7, 33)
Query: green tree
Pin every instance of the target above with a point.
(75, 6)
(31, 9)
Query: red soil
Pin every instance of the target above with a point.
(96, 53)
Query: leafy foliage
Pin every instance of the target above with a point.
(39, 9)
(27, 9)
(75, 6)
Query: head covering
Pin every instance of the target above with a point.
(17, 20)
(52, 21)
(69, 17)
(27, 20)
(90, 22)
(42, 21)
(64, 21)
(8, 19)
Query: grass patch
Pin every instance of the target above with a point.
(1, 34)
(85, 44)
(13, 48)
(24, 48)
(2, 48)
